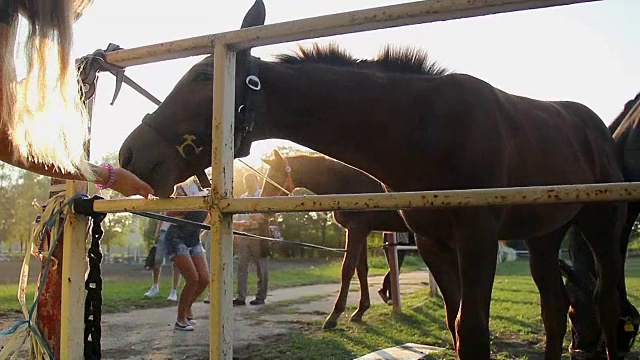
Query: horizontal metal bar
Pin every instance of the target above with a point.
(419, 12)
(170, 50)
(438, 199)
(131, 205)
(389, 201)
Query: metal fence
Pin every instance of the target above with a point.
(221, 203)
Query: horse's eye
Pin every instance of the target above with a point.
(203, 76)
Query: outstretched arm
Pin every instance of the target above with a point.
(125, 182)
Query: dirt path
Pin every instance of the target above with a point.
(148, 334)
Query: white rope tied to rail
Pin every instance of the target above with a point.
(266, 178)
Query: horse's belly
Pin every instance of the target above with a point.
(524, 222)
(518, 222)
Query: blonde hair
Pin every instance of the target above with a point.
(42, 114)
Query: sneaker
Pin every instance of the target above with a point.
(155, 289)
(207, 299)
(191, 321)
(256, 302)
(181, 327)
(237, 302)
(173, 296)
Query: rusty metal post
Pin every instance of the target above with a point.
(392, 241)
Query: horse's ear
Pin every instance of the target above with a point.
(255, 16)
(277, 156)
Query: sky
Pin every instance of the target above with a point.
(587, 53)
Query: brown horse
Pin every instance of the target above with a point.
(420, 132)
(586, 336)
(323, 175)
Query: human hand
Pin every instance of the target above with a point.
(127, 184)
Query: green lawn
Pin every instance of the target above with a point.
(515, 324)
(515, 321)
(124, 294)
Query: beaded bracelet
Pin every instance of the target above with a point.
(112, 177)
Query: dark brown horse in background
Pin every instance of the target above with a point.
(581, 276)
(323, 175)
(420, 132)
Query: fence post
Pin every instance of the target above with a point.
(433, 286)
(74, 267)
(221, 249)
(74, 263)
(395, 273)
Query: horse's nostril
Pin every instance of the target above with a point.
(126, 157)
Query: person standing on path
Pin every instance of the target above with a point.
(407, 239)
(161, 249)
(185, 249)
(251, 249)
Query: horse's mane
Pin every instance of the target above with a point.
(330, 54)
(27, 106)
(615, 124)
(408, 60)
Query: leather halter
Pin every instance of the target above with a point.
(245, 121)
(196, 142)
(289, 185)
(246, 112)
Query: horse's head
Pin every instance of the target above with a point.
(174, 142)
(587, 341)
(280, 173)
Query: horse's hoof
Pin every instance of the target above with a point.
(329, 324)
(356, 319)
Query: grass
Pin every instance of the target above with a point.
(516, 327)
(125, 294)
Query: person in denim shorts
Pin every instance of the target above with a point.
(184, 248)
(163, 226)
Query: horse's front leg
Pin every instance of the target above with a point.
(363, 273)
(442, 260)
(554, 301)
(476, 238)
(355, 241)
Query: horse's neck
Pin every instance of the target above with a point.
(326, 176)
(625, 117)
(331, 110)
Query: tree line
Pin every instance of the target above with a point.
(21, 191)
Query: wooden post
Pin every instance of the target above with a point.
(395, 271)
(221, 308)
(433, 286)
(73, 273)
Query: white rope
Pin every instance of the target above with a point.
(265, 177)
